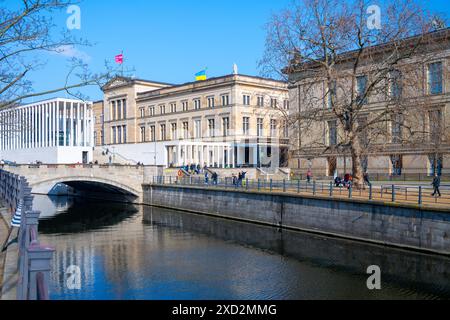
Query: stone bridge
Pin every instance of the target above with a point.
(91, 180)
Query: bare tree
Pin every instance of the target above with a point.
(353, 84)
(26, 33)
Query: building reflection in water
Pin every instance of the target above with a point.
(134, 252)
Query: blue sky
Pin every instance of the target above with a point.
(170, 41)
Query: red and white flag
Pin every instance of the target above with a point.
(119, 58)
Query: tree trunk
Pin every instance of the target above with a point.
(357, 170)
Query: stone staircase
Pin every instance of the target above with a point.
(274, 173)
(102, 155)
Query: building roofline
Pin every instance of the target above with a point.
(381, 47)
(212, 79)
(51, 100)
(131, 81)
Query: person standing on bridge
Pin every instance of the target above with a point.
(436, 185)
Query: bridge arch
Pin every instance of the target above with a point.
(87, 184)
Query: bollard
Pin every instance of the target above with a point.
(393, 193)
(284, 185)
(420, 195)
(39, 261)
(350, 192)
(331, 189)
(259, 184)
(314, 187)
(298, 186)
(370, 192)
(246, 184)
(271, 185)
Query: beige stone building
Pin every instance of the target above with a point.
(97, 108)
(223, 122)
(412, 139)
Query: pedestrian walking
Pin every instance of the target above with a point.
(367, 179)
(309, 176)
(206, 178)
(436, 185)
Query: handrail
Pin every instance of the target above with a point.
(400, 194)
(107, 150)
(34, 258)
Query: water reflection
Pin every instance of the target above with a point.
(75, 215)
(129, 252)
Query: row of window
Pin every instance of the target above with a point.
(395, 84)
(119, 134)
(211, 130)
(197, 104)
(435, 118)
(118, 109)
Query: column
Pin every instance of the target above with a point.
(64, 124)
(32, 127)
(255, 154)
(46, 125)
(85, 125)
(41, 120)
(17, 128)
(58, 120)
(71, 135)
(78, 137)
(177, 159)
(29, 128)
(54, 120)
(202, 155)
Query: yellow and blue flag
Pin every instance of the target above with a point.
(200, 76)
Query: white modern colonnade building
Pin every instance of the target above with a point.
(212, 154)
(54, 131)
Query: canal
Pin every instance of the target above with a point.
(125, 251)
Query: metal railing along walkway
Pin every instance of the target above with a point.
(387, 193)
(34, 261)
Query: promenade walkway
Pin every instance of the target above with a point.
(3, 234)
(399, 194)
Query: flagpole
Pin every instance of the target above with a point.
(123, 59)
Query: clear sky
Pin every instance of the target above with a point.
(170, 41)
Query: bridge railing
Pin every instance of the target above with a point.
(34, 260)
(387, 193)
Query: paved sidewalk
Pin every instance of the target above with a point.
(3, 234)
(9, 260)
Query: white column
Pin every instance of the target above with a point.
(78, 138)
(202, 155)
(55, 120)
(85, 125)
(58, 117)
(45, 125)
(17, 128)
(29, 127)
(32, 127)
(64, 123)
(91, 123)
(22, 128)
(71, 138)
(42, 125)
